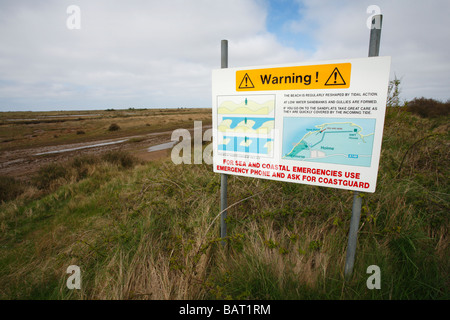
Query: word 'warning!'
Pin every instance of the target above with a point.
(326, 76)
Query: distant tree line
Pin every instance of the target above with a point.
(426, 108)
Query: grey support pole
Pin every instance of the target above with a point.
(374, 49)
(224, 54)
(223, 177)
(375, 35)
(353, 235)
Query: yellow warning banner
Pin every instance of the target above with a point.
(325, 76)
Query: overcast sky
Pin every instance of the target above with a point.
(149, 53)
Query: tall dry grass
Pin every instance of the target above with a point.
(152, 232)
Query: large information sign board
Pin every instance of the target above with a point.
(315, 123)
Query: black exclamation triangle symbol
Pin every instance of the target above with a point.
(246, 83)
(335, 78)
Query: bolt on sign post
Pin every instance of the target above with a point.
(316, 123)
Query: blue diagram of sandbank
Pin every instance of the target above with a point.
(246, 124)
(329, 140)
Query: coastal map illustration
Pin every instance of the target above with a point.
(246, 124)
(329, 140)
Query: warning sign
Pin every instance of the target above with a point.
(335, 79)
(295, 78)
(318, 123)
(246, 83)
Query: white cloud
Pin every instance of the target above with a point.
(161, 53)
(147, 53)
(413, 34)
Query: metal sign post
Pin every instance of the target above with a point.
(375, 36)
(374, 49)
(223, 176)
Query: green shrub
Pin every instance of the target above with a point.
(81, 164)
(10, 188)
(428, 108)
(393, 99)
(81, 161)
(113, 127)
(120, 158)
(48, 174)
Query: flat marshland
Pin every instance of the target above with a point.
(26, 129)
(28, 140)
(148, 229)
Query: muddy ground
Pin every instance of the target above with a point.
(23, 163)
(30, 140)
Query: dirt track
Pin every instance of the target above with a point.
(21, 164)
